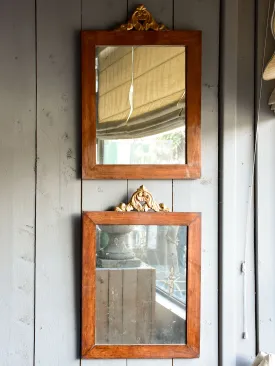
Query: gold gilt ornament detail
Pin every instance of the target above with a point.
(142, 20)
(142, 201)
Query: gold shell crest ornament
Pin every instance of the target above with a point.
(142, 20)
(142, 201)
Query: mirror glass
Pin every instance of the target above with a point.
(141, 284)
(140, 94)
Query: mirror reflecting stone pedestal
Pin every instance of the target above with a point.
(140, 284)
(118, 252)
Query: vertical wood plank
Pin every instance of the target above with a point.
(129, 306)
(265, 187)
(202, 195)
(246, 349)
(229, 37)
(115, 306)
(102, 306)
(102, 195)
(17, 170)
(58, 186)
(146, 293)
(106, 15)
(237, 124)
(149, 362)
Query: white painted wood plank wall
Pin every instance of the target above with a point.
(58, 208)
(237, 143)
(17, 181)
(202, 195)
(40, 264)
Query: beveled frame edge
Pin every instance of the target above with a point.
(192, 347)
(190, 170)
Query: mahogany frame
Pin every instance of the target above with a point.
(192, 347)
(192, 41)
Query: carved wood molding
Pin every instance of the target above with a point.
(142, 20)
(142, 201)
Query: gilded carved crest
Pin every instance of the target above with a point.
(142, 20)
(142, 201)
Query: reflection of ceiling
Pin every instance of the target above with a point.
(159, 81)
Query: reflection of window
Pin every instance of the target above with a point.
(164, 248)
(155, 131)
(164, 148)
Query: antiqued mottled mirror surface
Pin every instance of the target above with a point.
(140, 104)
(141, 284)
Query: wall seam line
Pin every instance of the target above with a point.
(219, 232)
(220, 185)
(81, 192)
(256, 106)
(35, 186)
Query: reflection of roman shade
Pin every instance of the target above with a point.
(159, 90)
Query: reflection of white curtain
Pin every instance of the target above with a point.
(159, 91)
(264, 359)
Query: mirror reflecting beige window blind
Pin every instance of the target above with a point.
(159, 90)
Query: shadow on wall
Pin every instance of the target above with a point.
(242, 361)
(77, 109)
(77, 253)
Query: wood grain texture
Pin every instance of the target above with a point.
(115, 306)
(202, 194)
(190, 170)
(192, 347)
(150, 362)
(17, 171)
(58, 189)
(143, 218)
(102, 305)
(237, 142)
(146, 290)
(106, 14)
(130, 318)
(265, 188)
(88, 284)
(103, 195)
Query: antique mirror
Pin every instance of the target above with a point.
(141, 281)
(141, 101)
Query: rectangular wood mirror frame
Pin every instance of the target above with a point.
(192, 347)
(192, 41)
